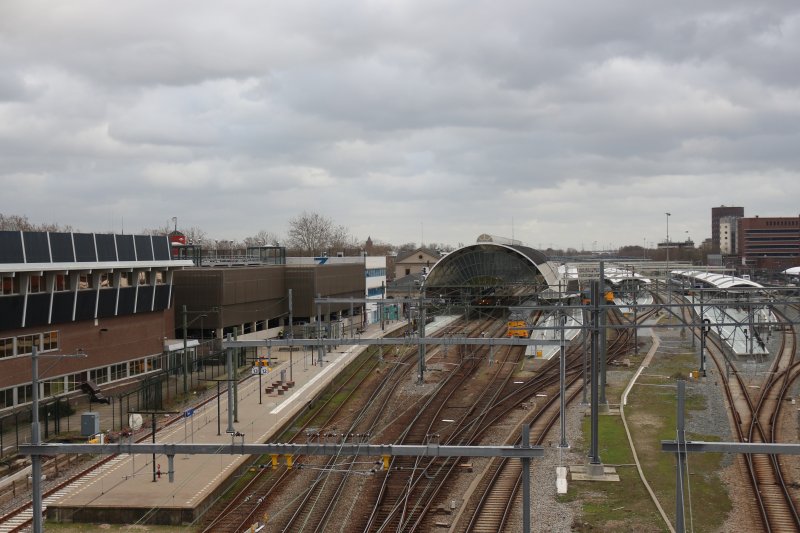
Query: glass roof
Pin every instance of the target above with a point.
(488, 265)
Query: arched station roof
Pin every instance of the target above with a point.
(717, 281)
(486, 264)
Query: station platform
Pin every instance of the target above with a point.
(123, 490)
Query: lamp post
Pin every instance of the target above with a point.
(36, 460)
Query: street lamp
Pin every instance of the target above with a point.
(36, 459)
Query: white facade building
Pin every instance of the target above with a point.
(727, 235)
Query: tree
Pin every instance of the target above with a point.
(312, 233)
(262, 238)
(21, 223)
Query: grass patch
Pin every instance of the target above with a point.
(626, 506)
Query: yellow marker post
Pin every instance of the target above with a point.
(289, 461)
(386, 460)
(274, 460)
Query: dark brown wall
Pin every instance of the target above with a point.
(335, 281)
(249, 294)
(128, 337)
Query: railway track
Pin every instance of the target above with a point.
(251, 500)
(492, 504)
(322, 481)
(755, 412)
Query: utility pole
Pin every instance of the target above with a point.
(421, 329)
(185, 355)
(231, 384)
(291, 335)
(601, 325)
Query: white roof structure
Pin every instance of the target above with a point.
(719, 281)
(613, 274)
(794, 271)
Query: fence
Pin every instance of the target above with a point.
(162, 389)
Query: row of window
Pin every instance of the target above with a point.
(750, 231)
(375, 272)
(64, 282)
(54, 386)
(375, 291)
(791, 222)
(23, 344)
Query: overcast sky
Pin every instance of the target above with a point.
(572, 124)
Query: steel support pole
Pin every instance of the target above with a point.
(321, 349)
(229, 365)
(36, 460)
(153, 422)
(562, 375)
(603, 341)
(185, 355)
(702, 337)
(635, 315)
(291, 335)
(526, 482)
(219, 415)
(594, 454)
(680, 460)
(421, 329)
(586, 334)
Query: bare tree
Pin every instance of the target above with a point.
(21, 223)
(312, 233)
(262, 238)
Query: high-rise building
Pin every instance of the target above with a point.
(716, 214)
(769, 243)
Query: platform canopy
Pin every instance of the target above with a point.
(488, 268)
(717, 281)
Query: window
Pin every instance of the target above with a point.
(53, 386)
(119, 371)
(24, 394)
(6, 398)
(25, 344)
(36, 283)
(99, 375)
(144, 278)
(49, 340)
(62, 282)
(125, 279)
(9, 285)
(138, 367)
(161, 277)
(7, 347)
(106, 280)
(375, 291)
(74, 381)
(408, 272)
(85, 281)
